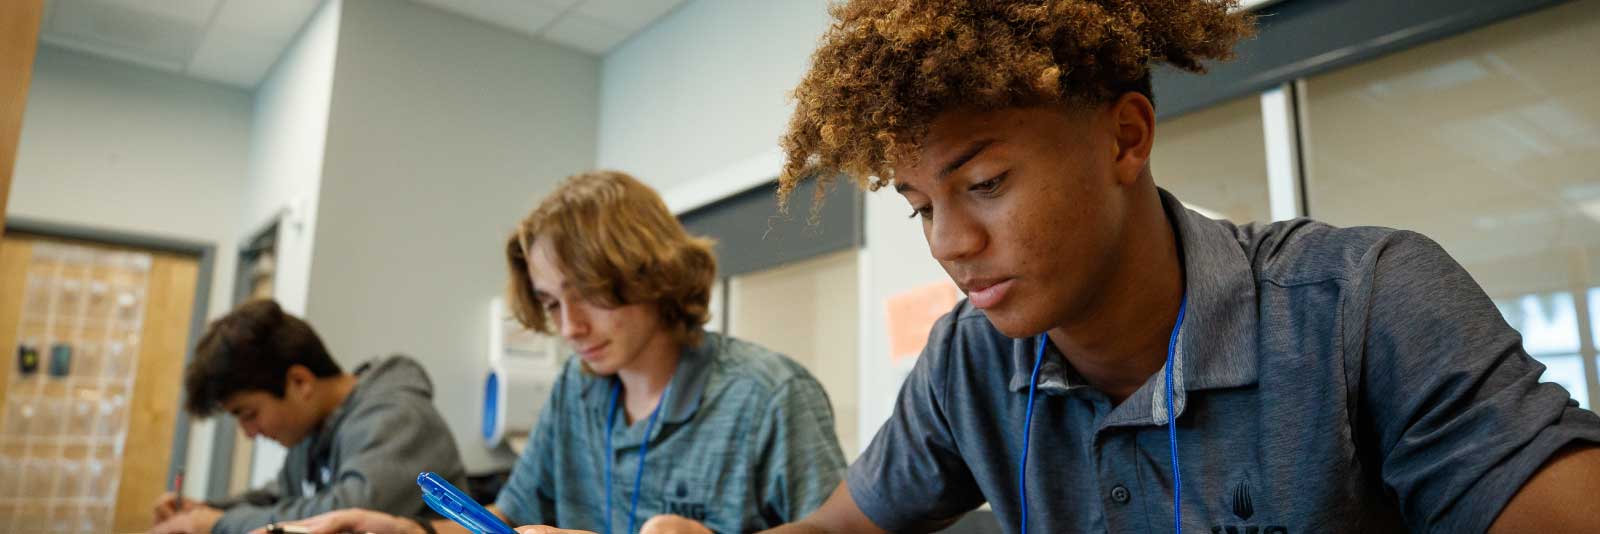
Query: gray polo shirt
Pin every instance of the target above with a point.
(745, 442)
(1327, 380)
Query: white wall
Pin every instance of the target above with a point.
(107, 145)
(705, 88)
(897, 260)
(696, 104)
(285, 173)
(116, 147)
(443, 133)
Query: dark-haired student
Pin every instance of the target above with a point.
(355, 439)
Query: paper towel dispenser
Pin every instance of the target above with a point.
(523, 365)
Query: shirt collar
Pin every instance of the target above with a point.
(686, 388)
(1216, 343)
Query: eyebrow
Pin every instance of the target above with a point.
(540, 294)
(972, 151)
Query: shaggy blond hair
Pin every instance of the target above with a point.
(618, 245)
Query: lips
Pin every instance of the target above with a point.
(592, 352)
(984, 293)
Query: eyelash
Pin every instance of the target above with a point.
(986, 187)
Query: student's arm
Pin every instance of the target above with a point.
(358, 520)
(1560, 498)
(528, 496)
(837, 515)
(262, 496)
(382, 449)
(911, 478)
(1446, 394)
(169, 504)
(800, 460)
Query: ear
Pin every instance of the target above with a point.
(1133, 124)
(299, 382)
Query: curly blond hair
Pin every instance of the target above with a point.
(886, 68)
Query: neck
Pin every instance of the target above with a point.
(336, 389)
(647, 377)
(1122, 340)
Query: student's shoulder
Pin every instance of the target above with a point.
(1305, 251)
(740, 361)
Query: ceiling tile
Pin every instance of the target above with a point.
(121, 32)
(630, 15)
(284, 17)
(239, 60)
(192, 11)
(521, 16)
(585, 34)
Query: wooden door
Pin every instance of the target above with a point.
(19, 36)
(97, 337)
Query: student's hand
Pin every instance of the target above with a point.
(673, 524)
(355, 520)
(194, 519)
(169, 505)
(541, 529)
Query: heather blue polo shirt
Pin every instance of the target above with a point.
(745, 442)
(1327, 380)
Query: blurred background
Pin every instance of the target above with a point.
(362, 160)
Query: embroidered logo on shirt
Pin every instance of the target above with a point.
(679, 505)
(1244, 507)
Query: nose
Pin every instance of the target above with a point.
(574, 321)
(953, 235)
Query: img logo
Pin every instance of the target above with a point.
(677, 503)
(1244, 508)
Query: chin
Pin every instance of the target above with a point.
(1015, 324)
(599, 369)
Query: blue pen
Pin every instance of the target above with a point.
(444, 498)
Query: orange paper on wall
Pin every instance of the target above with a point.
(912, 314)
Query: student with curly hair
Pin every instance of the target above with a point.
(1123, 364)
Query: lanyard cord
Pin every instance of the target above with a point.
(1027, 425)
(644, 449)
(1172, 427)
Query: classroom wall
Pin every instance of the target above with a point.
(442, 134)
(107, 145)
(705, 87)
(694, 106)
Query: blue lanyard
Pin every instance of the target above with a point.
(1172, 426)
(644, 448)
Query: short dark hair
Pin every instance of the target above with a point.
(251, 349)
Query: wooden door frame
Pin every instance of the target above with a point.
(204, 253)
(21, 20)
(225, 433)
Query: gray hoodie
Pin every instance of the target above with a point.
(366, 455)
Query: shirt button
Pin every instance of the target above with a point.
(1119, 494)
